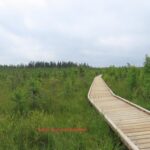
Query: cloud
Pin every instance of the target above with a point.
(101, 32)
(20, 4)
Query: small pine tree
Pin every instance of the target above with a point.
(147, 64)
(20, 102)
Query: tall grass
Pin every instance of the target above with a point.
(130, 82)
(32, 98)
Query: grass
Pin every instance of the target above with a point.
(132, 83)
(51, 98)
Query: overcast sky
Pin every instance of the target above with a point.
(98, 32)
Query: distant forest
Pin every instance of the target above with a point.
(51, 64)
(65, 64)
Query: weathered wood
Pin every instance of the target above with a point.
(140, 137)
(139, 125)
(130, 121)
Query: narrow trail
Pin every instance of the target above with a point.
(130, 121)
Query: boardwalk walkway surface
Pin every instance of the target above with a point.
(129, 121)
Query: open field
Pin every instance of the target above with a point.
(56, 97)
(32, 98)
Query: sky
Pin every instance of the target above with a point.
(97, 32)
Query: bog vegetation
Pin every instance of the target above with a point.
(130, 82)
(54, 95)
(50, 95)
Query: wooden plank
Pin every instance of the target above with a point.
(127, 114)
(138, 133)
(135, 130)
(130, 121)
(114, 106)
(109, 102)
(136, 126)
(118, 110)
(124, 118)
(142, 141)
(105, 100)
(135, 120)
(145, 145)
(139, 137)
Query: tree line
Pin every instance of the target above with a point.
(51, 64)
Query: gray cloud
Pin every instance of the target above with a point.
(99, 32)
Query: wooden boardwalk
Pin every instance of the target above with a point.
(131, 122)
